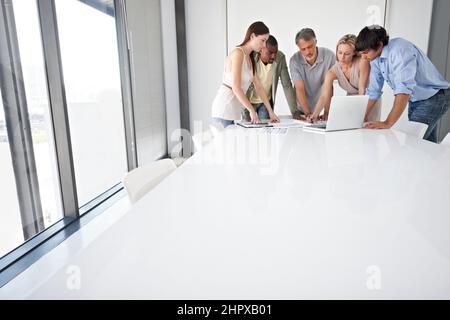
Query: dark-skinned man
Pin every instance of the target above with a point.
(270, 67)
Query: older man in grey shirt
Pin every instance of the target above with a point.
(308, 69)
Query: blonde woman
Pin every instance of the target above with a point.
(350, 70)
(239, 73)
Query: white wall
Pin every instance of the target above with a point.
(206, 50)
(409, 19)
(206, 25)
(286, 17)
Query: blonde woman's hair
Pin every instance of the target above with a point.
(348, 39)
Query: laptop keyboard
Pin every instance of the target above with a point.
(319, 124)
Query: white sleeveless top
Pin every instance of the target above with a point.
(226, 105)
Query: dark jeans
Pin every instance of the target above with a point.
(430, 111)
(260, 109)
(225, 123)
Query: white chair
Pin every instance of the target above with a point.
(412, 128)
(179, 161)
(216, 129)
(403, 124)
(446, 140)
(201, 139)
(143, 179)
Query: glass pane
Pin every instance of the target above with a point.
(90, 64)
(11, 234)
(32, 60)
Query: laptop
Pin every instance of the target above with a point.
(346, 113)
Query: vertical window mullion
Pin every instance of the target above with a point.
(58, 106)
(124, 48)
(182, 64)
(18, 125)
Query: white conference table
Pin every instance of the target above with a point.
(360, 214)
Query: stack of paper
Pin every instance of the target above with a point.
(272, 130)
(289, 123)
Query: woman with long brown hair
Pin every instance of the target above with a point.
(238, 74)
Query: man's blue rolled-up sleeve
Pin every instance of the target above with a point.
(404, 71)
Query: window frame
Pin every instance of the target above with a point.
(41, 240)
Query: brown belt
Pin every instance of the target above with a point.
(227, 86)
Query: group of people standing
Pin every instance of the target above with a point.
(361, 64)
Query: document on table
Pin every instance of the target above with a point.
(275, 130)
(290, 123)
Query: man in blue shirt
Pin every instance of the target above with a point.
(411, 75)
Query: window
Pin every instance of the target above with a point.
(62, 130)
(10, 224)
(67, 129)
(32, 60)
(90, 63)
(31, 200)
